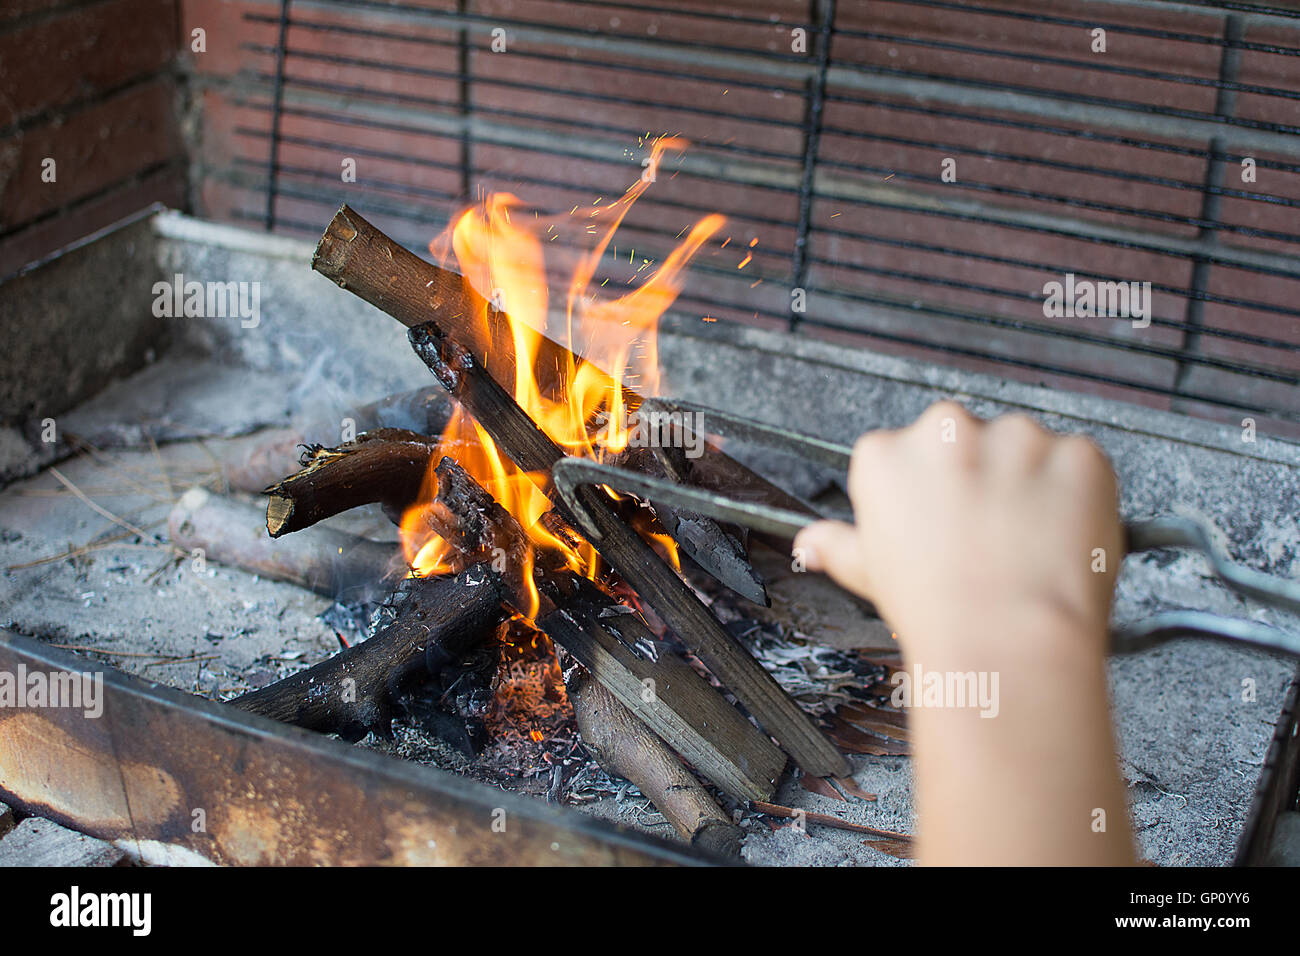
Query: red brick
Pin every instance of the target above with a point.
(93, 149)
(227, 30)
(83, 52)
(1010, 41)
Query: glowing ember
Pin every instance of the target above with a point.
(499, 251)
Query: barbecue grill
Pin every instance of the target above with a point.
(1085, 212)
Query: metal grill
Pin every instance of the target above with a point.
(822, 131)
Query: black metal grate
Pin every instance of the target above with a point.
(1116, 166)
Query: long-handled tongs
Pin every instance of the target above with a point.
(1145, 535)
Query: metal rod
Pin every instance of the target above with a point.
(824, 12)
(277, 100)
(1041, 17)
(1225, 104)
(1034, 126)
(1123, 175)
(1062, 96)
(1221, 84)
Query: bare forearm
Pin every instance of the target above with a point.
(1035, 780)
(978, 542)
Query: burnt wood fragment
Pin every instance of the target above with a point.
(332, 563)
(353, 692)
(268, 456)
(827, 820)
(387, 465)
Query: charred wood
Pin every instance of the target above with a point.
(523, 442)
(267, 457)
(612, 642)
(354, 692)
(387, 466)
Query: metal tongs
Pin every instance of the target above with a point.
(1165, 532)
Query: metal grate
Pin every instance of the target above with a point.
(822, 131)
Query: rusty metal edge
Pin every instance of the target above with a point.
(177, 778)
(1275, 790)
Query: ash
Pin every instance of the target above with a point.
(820, 678)
(522, 735)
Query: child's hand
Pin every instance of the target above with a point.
(960, 519)
(992, 548)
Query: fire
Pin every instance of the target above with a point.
(499, 249)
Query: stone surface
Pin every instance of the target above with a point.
(36, 842)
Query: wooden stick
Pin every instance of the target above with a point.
(267, 457)
(826, 820)
(664, 691)
(329, 562)
(352, 693)
(626, 747)
(519, 437)
(360, 258)
(387, 465)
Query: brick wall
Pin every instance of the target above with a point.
(826, 166)
(89, 119)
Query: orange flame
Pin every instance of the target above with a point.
(499, 251)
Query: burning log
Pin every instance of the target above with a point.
(518, 437)
(387, 465)
(464, 515)
(360, 258)
(332, 563)
(610, 640)
(354, 692)
(370, 265)
(725, 545)
(623, 745)
(272, 454)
